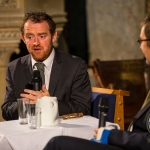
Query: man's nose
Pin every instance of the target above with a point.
(36, 41)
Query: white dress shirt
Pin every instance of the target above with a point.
(47, 67)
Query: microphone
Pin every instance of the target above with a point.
(103, 109)
(29, 86)
(36, 80)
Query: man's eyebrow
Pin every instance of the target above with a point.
(42, 33)
(29, 34)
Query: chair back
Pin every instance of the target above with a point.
(116, 104)
(127, 75)
(95, 102)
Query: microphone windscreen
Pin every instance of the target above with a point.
(103, 104)
(36, 74)
(36, 80)
(29, 86)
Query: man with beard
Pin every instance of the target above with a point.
(65, 76)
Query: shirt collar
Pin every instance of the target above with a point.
(48, 62)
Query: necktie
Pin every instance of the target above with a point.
(40, 67)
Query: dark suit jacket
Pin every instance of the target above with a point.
(139, 138)
(69, 82)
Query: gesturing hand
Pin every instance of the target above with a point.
(34, 95)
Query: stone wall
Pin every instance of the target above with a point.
(11, 12)
(113, 28)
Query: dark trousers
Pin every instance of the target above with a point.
(72, 143)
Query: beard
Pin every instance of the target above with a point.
(40, 55)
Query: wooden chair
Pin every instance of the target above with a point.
(127, 75)
(119, 104)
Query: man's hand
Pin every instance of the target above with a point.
(34, 95)
(99, 131)
(102, 133)
(95, 134)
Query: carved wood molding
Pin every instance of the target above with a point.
(6, 22)
(8, 4)
(9, 34)
(11, 6)
(11, 13)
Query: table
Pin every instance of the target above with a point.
(14, 136)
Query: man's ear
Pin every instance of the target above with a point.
(54, 36)
(22, 37)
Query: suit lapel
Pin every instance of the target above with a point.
(141, 112)
(55, 72)
(28, 68)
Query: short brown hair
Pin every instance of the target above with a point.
(38, 17)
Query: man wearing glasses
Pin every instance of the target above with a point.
(107, 138)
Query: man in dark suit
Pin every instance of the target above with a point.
(137, 138)
(65, 76)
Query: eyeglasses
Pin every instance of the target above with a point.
(140, 40)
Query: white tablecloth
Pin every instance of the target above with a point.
(14, 136)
